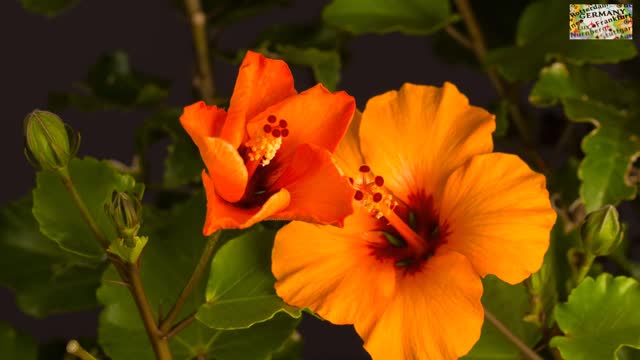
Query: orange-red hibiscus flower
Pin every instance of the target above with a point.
(269, 156)
(435, 210)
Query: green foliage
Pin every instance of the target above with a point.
(113, 83)
(590, 95)
(552, 282)
(15, 345)
(226, 12)
(381, 16)
(183, 164)
(45, 278)
(58, 215)
(240, 291)
(564, 183)
(175, 244)
(543, 36)
(600, 317)
(508, 303)
(48, 7)
(502, 119)
(311, 45)
(325, 64)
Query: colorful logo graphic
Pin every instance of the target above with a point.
(600, 22)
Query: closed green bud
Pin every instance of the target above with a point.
(49, 143)
(601, 231)
(124, 212)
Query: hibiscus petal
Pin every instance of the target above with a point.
(202, 121)
(223, 215)
(315, 116)
(226, 168)
(348, 156)
(417, 136)
(319, 193)
(498, 215)
(261, 83)
(331, 271)
(435, 313)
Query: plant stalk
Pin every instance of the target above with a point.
(84, 211)
(524, 349)
(167, 323)
(129, 273)
(198, 20)
(479, 48)
(160, 345)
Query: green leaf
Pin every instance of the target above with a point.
(224, 12)
(15, 345)
(113, 83)
(48, 7)
(543, 36)
(552, 282)
(240, 291)
(45, 278)
(590, 95)
(314, 35)
(564, 183)
(600, 317)
(502, 119)
(508, 303)
(174, 247)
(291, 349)
(183, 163)
(59, 217)
(325, 64)
(382, 16)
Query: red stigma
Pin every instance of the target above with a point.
(267, 128)
(351, 180)
(284, 132)
(365, 168)
(379, 181)
(377, 197)
(283, 123)
(358, 195)
(271, 119)
(275, 133)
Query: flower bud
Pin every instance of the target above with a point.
(49, 143)
(124, 212)
(601, 231)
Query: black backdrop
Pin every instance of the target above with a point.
(40, 55)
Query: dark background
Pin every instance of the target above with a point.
(40, 55)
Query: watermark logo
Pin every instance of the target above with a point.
(600, 22)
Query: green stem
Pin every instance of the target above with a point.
(74, 348)
(160, 344)
(628, 266)
(84, 211)
(128, 273)
(504, 90)
(167, 323)
(524, 349)
(198, 21)
(584, 268)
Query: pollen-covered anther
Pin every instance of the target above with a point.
(264, 146)
(371, 193)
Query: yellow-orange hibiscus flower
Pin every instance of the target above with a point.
(269, 156)
(435, 210)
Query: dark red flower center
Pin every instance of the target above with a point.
(409, 233)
